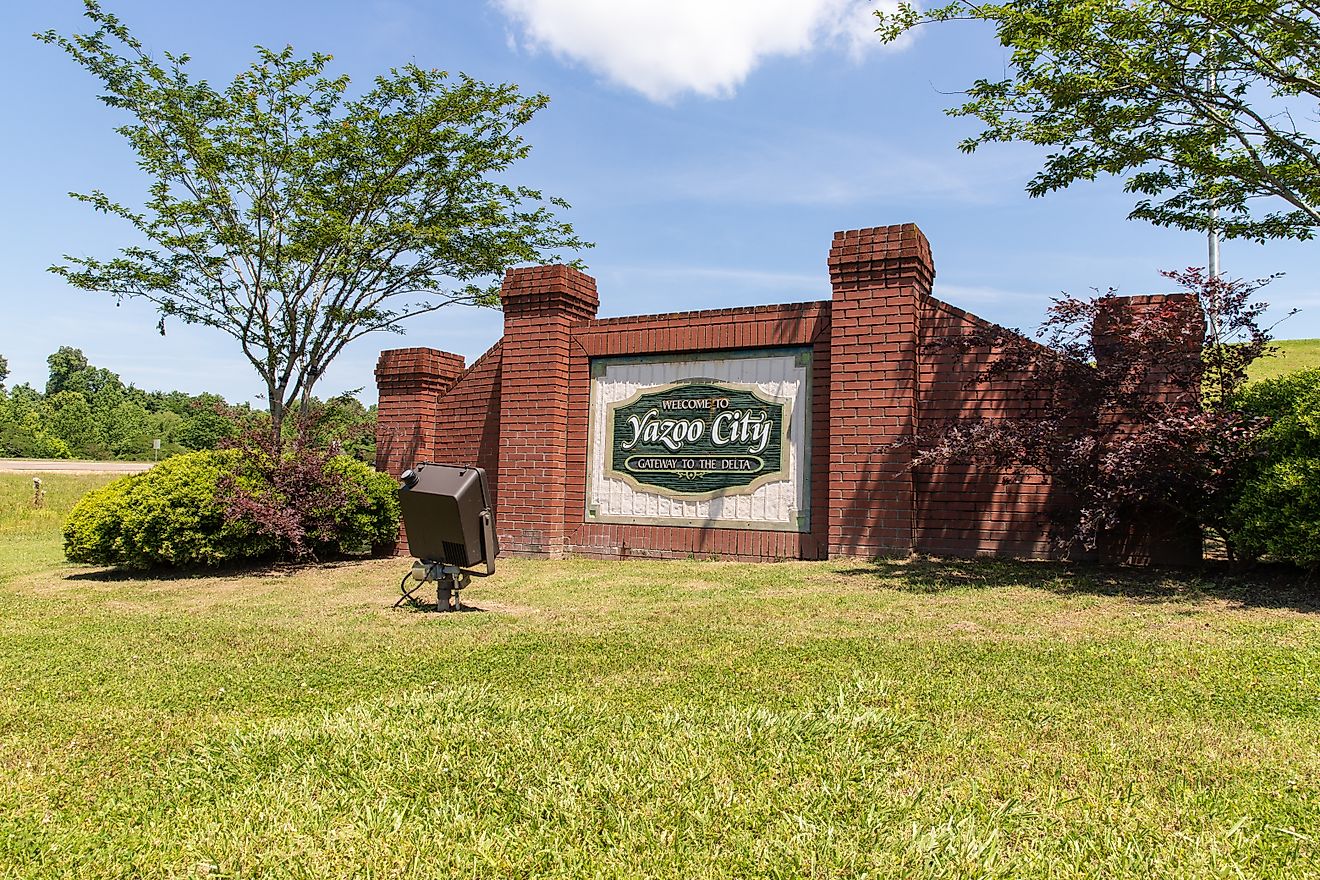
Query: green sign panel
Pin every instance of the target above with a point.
(698, 439)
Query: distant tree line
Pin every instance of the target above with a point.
(88, 412)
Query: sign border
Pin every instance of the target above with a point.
(752, 389)
(805, 354)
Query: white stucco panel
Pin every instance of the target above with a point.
(780, 504)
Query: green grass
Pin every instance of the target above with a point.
(662, 719)
(1292, 355)
(30, 538)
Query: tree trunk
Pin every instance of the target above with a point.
(275, 402)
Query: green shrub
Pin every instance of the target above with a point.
(370, 520)
(171, 515)
(180, 514)
(1277, 511)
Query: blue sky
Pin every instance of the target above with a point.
(710, 148)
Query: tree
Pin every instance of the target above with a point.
(124, 427)
(65, 364)
(1208, 106)
(210, 422)
(4, 371)
(70, 419)
(297, 219)
(70, 371)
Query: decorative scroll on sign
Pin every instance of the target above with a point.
(698, 438)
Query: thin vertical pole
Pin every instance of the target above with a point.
(1212, 268)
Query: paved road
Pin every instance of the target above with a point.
(69, 466)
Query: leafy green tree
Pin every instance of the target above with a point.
(66, 366)
(164, 425)
(69, 417)
(177, 402)
(1206, 107)
(208, 423)
(124, 428)
(4, 371)
(23, 399)
(25, 430)
(297, 219)
(70, 371)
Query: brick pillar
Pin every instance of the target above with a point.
(879, 277)
(1156, 538)
(541, 305)
(410, 382)
(1181, 317)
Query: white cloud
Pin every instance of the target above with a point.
(664, 48)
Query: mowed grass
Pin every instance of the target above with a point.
(657, 719)
(31, 535)
(1292, 355)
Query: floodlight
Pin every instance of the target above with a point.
(450, 523)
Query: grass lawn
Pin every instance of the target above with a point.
(1293, 355)
(675, 719)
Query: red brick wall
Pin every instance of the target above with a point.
(1159, 540)
(522, 413)
(410, 382)
(758, 327)
(962, 510)
(468, 417)
(879, 276)
(542, 305)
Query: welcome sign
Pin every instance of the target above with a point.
(702, 439)
(698, 438)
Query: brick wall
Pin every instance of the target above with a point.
(879, 277)
(1158, 540)
(542, 305)
(468, 417)
(411, 382)
(522, 413)
(962, 510)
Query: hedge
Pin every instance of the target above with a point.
(175, 516)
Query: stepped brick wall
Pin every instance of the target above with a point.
(521, 411)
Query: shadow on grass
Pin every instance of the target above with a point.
(429, 608)
(1261, 587)
(262, 570)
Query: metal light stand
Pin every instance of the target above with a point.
(450, 581)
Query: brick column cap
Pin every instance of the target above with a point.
(1114, 313)
(543, 291)
(1149, 299)
(418, 366)
(881, 256)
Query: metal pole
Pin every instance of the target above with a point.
(1212, 268)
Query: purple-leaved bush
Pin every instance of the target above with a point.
(285, 486)
(1130, 424)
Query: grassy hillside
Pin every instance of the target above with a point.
(1293, 355)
